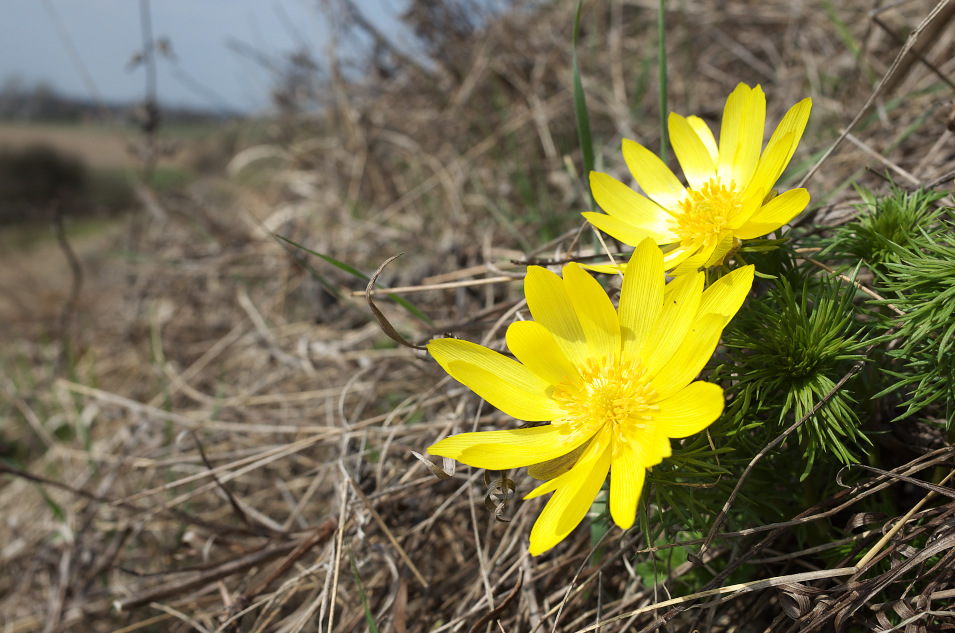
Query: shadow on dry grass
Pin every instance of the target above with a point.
(227, 445)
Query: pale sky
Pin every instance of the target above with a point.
(107, 34)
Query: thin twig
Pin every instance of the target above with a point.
(889, 75)
(391, 537)
(76, 270)
(468, 283)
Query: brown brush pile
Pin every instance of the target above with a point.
(225, 441)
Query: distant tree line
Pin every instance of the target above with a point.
(20, 101)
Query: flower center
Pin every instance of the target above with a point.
(611, 393)
(705, 211)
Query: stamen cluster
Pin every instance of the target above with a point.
(705, 212)
(611, 395)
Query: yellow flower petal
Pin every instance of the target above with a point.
(574, 492)
(776, 213)
(730, 129)
(551, 306)
(641, 297)
(689, 264)
(508, 391)
(752, 201)
(677, 260)
(617, 228)
(510, 448)
(783, 143)
(627, 474)
(750, 140)
(690, 410)
(694, 157)
(679, 257)
(680, 303)
(650, 446)
(741, 135)
(653, 176)
(771, 165)
(706, 135)
(629, 207)
(505, 383)
(537, 350)
(724, 245)
(726, 295)
(596, 313)
(689, 358)
(700, 251)
(661, 448)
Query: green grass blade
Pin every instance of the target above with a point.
(842, 29)
(662, 72)
(351, 270)
(53, 505)
(580, 111)
(317, 276)
(369, 618)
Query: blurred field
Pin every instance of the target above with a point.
(97, 147)
(217, 436)
(34, 271)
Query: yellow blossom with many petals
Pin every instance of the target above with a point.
(615, 384)
(730, 194)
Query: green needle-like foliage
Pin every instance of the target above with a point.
(884, 224)
(691, 483)
(921, 284)
(788, 350)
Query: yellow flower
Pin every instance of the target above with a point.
(615, 384)
(730, 195)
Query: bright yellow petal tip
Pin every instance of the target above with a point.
(615, 383)
(726, 199)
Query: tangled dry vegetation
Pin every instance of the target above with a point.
(226, 441)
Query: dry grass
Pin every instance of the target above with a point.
(224, 433)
